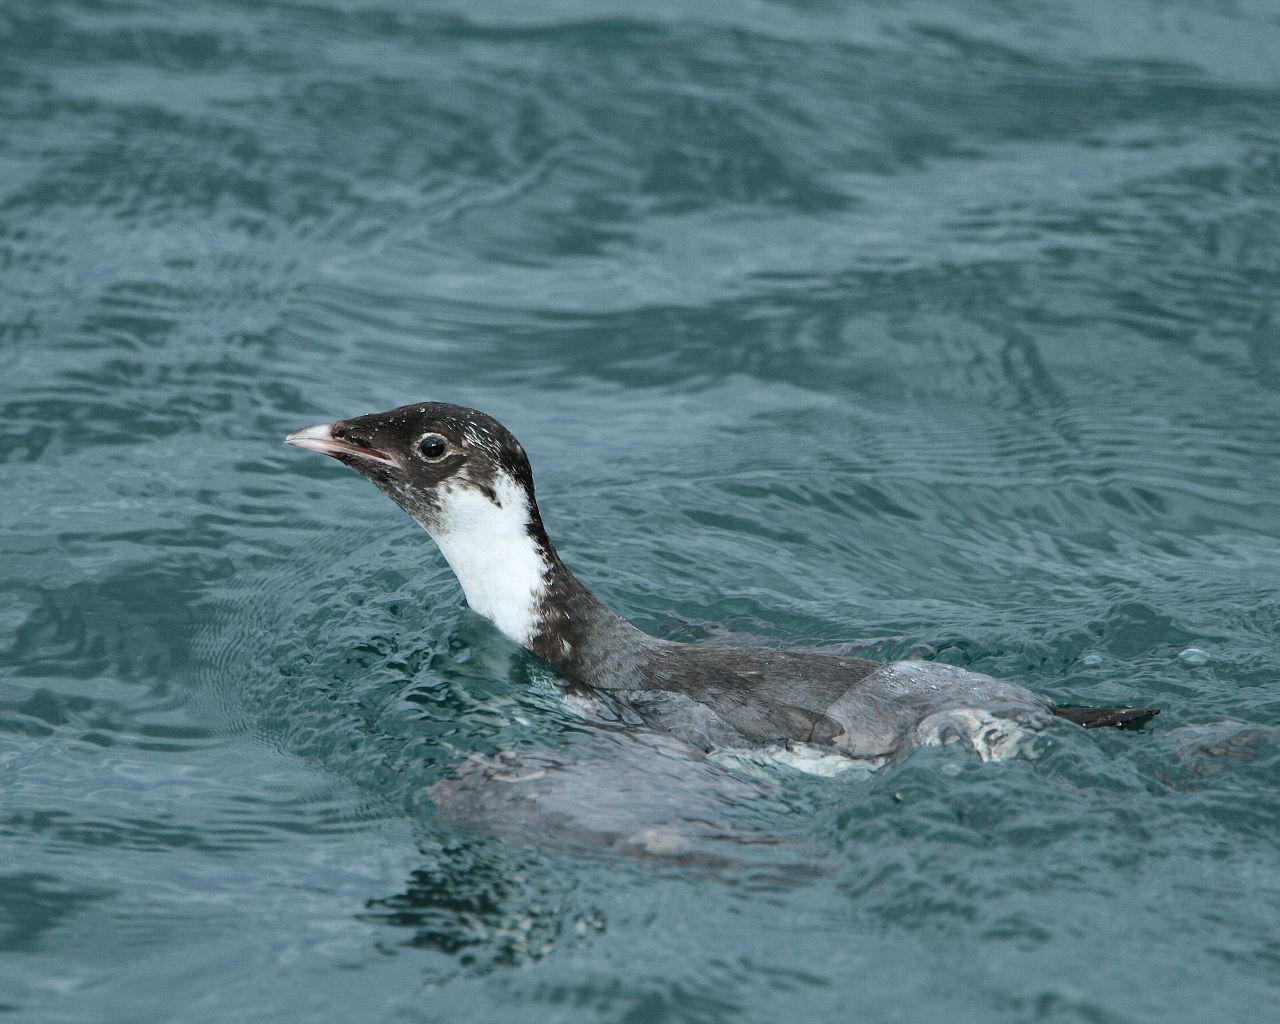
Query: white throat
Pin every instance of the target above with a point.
(487, 544)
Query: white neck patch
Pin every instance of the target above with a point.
(490, 551)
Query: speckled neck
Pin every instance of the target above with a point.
(511, 573)
(586, 639)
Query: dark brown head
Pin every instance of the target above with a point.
(466, 480)
(422, 454)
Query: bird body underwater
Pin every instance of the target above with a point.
(466, 480)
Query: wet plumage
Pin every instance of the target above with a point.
(463, 477)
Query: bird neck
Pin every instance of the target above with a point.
(511, 574)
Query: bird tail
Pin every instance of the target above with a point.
(1096, 718)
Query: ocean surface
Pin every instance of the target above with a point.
(948, 329)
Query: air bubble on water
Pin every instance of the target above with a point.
(1193, 657)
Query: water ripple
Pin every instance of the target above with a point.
(915, 329)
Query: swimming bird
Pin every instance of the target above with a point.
(467, 481)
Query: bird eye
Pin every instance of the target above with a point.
(432, 446)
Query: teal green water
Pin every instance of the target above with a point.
(937, 327)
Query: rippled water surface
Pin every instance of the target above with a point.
(945, 328)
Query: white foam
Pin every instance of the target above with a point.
(992, 738)
(802, 757)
